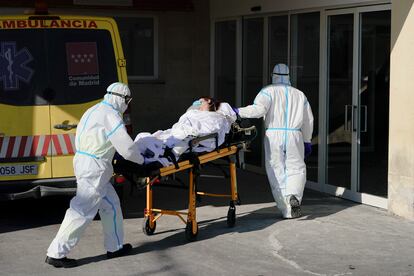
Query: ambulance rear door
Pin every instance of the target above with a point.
(24, 109)
(82, 64)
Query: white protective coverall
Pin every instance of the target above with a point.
(288, 122)
(100, 132)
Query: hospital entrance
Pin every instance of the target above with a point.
(340, 58)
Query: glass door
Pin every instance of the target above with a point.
(358, 53)
(373, 102)
(340, 99)
(253, 79)
(304, 74)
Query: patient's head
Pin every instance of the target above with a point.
(208, 104)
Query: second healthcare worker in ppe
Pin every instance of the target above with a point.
(289, 124)
(100, 133)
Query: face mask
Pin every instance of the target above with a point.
(197, 103)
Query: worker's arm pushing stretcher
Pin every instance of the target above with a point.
(237, 139)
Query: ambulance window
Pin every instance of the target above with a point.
(138, 36)
(23, 75)
(81, 64)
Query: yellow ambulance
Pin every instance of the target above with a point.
(52, 68)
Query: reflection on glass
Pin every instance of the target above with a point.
(225, 62)
(253, 79)
(278, 42)
(340, 69)
(304, 72)
(374, 102)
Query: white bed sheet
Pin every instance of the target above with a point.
(193, 123)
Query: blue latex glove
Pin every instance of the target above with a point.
(308, 149)
(236, 110)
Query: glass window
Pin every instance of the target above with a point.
(304, 72)
(56, 66)
(81, 64)
(225, 62)
(22, 67)
(278, 41)
(138, 42)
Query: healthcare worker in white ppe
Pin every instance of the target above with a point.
(288, 122)
(100, 133)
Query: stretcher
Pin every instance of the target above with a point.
(238, 140)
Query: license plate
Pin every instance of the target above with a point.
(24, 169)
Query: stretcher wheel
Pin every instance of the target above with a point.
(146, 228)
(190, 236)
(231, 216)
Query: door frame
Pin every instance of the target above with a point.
(323, 186)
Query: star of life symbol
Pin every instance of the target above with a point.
(13, 67)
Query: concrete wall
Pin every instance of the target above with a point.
(401, 139)
(184, 68)
(229, 8)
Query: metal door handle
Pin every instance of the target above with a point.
(354, 118)
(365, 108)
(65, 126)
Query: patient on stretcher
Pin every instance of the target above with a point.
(206, 116)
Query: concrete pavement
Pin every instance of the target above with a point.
(334, 237)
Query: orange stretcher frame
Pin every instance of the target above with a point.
(153, 214)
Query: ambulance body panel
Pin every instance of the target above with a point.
(52, 69)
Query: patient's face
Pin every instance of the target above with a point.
(205, 104)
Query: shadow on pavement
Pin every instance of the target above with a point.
(315, 205)
(208, 229)
(253, 189)
(32, 213)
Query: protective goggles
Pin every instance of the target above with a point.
(127, 99)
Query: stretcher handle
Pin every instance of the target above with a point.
(194, 142)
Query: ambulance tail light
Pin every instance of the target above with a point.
(119, 179)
